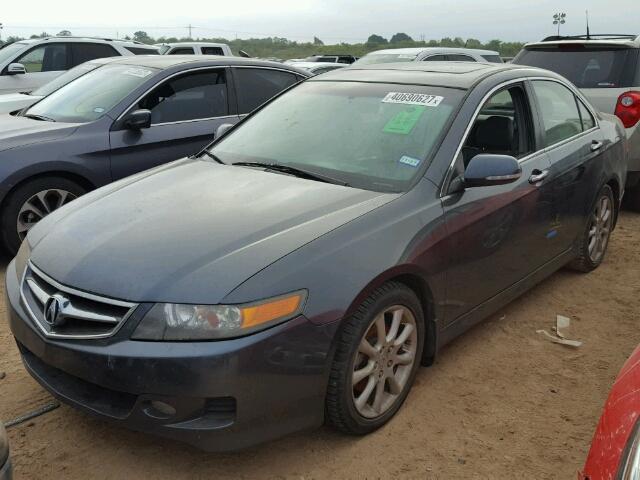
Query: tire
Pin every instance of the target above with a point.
(598, 227)
(346, 410)
(32, 201)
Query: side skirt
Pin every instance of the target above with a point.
(495, 303)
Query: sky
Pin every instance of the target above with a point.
(333, 21)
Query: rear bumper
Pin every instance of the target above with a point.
(218, 396)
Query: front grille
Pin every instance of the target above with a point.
(65, 312)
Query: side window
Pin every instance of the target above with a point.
(436, 58)
(257, 85)
(559, 111)
(588, 121)
(188, 97)
(212, 51)
(182, 51)
(503, 126)
(46, 58)
(83, 52)
(348, 60)
(460, 58)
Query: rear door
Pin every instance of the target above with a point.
(574, 143)
(83, 52)
(185, 113)
(498, 234)
(255, 86)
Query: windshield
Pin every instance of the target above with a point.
(368, 135)
(63, 79)
(386, 58)
(164, 49)
(8, 52)
(585, 66)
(92, 95)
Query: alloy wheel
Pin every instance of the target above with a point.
(39, 206)
(600, 229)
(384, 361)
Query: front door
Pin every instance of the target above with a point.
(498, 234)
(185, 112)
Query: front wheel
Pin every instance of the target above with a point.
(377, 357)
(30, 203)
(595, 239)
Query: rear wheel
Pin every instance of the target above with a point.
(30, 203)
(595, 239)
(378, 354)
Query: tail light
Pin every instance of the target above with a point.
(628, 108)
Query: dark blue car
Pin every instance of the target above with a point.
(123, 117)
(302, 267)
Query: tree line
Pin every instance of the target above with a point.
(283, 48)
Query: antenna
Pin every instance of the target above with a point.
(587, 14)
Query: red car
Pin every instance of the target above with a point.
(615, 449)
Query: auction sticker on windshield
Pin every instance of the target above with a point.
(413, 99)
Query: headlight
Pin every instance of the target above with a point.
(630, 463)
(169, 321)
(22, 257)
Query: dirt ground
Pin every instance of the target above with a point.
(501, 402)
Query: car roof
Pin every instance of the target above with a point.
(461, 75)
(191, 44)
(87, 39)
(598, 39)
(418, 50)
(163, 62)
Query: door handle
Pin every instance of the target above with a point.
(538, 176)
(596, 145)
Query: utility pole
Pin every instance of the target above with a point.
(189, 27)
(1, 32)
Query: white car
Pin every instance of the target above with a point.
(195, 48)
(12, 102)
(430, 54)
(29, 64)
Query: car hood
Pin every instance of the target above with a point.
(189, 232)
(16, 101)
(22, 131)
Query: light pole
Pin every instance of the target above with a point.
(559, 19)
(1, 32)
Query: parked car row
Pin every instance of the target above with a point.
(303, 265)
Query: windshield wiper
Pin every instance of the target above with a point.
(213, 156)
(38, 117)
(298, 172)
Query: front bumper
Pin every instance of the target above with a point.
(222, 395)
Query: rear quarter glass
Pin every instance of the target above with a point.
(586, 66)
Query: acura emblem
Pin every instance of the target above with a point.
(53, 308)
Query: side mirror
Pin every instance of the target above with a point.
(138, 119)
(224, 128)
(488, 169)
(16, 69)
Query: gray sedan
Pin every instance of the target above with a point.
(125, 116)
(303, 266)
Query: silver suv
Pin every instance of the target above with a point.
(430, 54)
(606, 68)
(29, 64)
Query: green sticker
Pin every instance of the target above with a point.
(404, 121)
